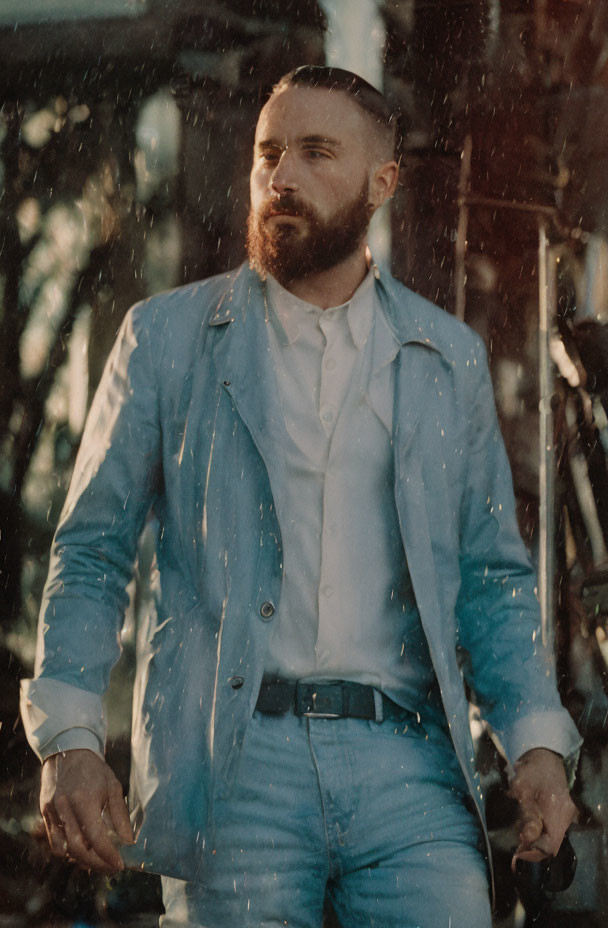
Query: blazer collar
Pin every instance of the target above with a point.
(410, 317)
(242, 285)
(242, 360)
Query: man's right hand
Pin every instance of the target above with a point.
(77, 788)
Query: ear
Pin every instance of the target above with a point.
(383, 182)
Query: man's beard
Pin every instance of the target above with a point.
(289, 253)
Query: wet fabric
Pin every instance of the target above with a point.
(374, 811)
(176, 427)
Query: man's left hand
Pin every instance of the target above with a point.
(545, 807)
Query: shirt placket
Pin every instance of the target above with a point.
(336, 369)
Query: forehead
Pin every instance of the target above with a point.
(306, 111)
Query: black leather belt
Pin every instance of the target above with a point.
(335, 700)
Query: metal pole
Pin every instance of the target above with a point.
(463, 222)
(355, 40)
(546, 554)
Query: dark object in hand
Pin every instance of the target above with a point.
(552, 875)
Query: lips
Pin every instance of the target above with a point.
(283, 207)
(281, 211)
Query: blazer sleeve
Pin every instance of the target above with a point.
(116, 476)
(510, 671)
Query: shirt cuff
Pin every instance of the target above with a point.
(51, 708)
(71, 740)
(552, 729)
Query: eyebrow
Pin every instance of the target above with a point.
(320, 140)
(304, 140)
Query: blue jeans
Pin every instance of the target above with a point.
(374, 813)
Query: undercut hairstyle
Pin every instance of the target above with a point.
(371, 101)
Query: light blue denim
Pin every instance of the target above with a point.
(374, 812)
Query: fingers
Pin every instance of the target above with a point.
(84, 842)
(543, 822)
(118, 814)
(536, 841)
(560, 814)
(534, 855)
(530, 821)
(545, 807)
(96, 834)
(55, 835)
(77, 789)
(75, 829)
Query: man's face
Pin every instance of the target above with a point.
(309, 183)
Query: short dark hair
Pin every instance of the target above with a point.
(370, 100)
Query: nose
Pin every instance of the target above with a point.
(282, 179)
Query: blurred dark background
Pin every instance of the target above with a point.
(125, 137)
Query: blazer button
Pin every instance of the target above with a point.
(236, 682)
(267, 610)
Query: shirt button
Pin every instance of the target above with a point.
(267, 610)
(327, 415)
(330, 364)
(333, 529)
(236, 682)
(327, 591)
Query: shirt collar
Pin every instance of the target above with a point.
(288, 313)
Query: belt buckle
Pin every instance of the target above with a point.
(314, 713)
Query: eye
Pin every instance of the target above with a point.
(315, 154)
(269, 157)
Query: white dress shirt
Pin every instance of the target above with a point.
(347, 609)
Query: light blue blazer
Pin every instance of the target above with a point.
(186, 404)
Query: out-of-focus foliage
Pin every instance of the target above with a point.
(125, 146)
(124, 172)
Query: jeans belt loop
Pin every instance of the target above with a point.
(378, 705)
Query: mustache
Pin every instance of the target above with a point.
(285, 205)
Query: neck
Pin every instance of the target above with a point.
(334, 286)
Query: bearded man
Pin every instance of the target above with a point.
(336, 530)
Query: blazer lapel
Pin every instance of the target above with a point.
(244, 365)
(378, 374)
(417, 367)
(413, 380)
(232, 365)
